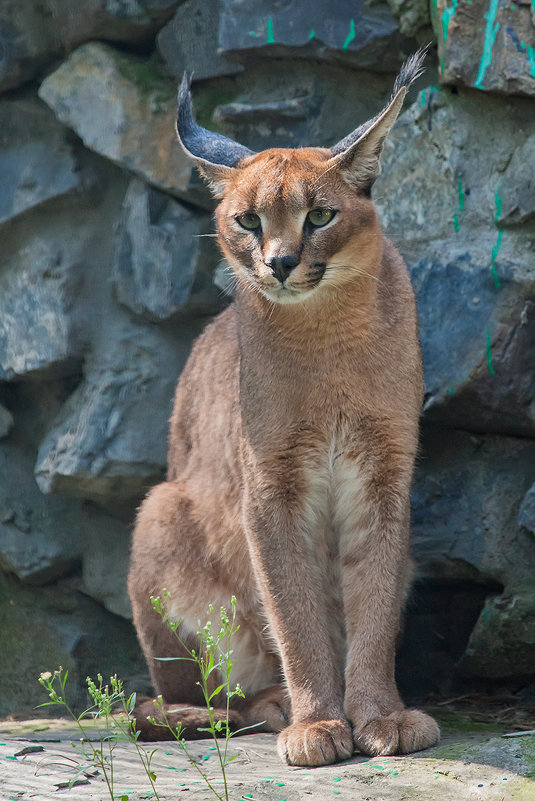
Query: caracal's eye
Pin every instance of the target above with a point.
(320, 217)
(249, 221)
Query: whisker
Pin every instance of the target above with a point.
(353, 269)
(359, 271)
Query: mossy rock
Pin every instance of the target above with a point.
(29, 647)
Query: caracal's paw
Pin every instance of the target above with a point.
(398, 733)
(319, 743)
(270, 708)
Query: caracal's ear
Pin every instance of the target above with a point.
(357, 155)
(216, 156)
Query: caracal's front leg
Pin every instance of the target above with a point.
(373, 523)
(290, 582)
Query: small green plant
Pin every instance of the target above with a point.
(213, 657)
(107, 701)
(214, 662)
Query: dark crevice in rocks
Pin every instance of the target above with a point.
(438, 621)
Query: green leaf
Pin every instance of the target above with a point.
(152, 775)
(131, 703)
(246, 728)
(171, 659)
(217, 691)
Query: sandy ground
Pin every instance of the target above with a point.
(471, 766)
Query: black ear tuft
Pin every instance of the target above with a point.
(200, 143)
(411, 70)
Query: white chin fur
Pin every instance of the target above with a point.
(287, 296)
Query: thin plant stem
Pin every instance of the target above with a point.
(214, 656)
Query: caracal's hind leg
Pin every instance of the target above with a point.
(169, 551)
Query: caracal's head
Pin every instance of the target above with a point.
(293, 221)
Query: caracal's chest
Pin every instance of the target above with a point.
(337, 480)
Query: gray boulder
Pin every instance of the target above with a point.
(165, 257)
(478, 345)
(465, 506)
(106, 557)
(26, 41)
(124, 108)
(489, 47)
(109, 441)
(516, 198)
(34, 35)
(467, 494)
(129, 21)
(51, 626)
(37, 287)
(438, 183)
(502, 644)
(218, 38)
(445, 201)
(37, 161)
(261, 109)
(526, 514)
(45, 537)
(358, 34)
(413, 17)
(41, 538)
(190, 42)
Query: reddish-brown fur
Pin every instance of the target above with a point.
(291, 452)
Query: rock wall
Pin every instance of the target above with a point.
(106, 278)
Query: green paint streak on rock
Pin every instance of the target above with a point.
(312, 34)
(461, 193)
(531, 58)
(494, 256)
(491, 30)
(350, 35)
(456, 223)
(270, 37)
(489, 355)
(422, 98)
(446, 17)
(497, 246)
